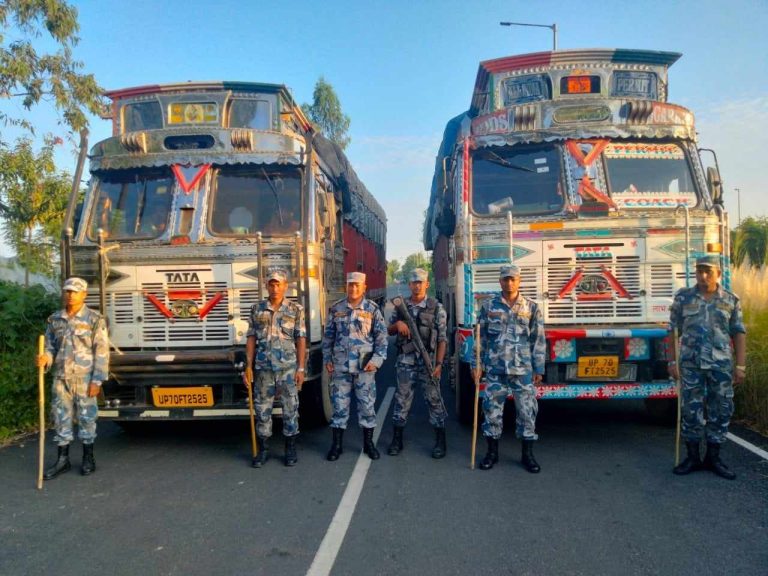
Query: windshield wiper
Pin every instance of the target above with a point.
(496, 159)
(274, 191)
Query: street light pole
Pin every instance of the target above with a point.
(738, 200)
(552, 27)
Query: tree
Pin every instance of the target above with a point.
(325, 113)
(751, 242)
(33, 76)
(35, 196)
(393, 271)
(416, 260)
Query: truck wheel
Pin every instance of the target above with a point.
(662, 410)
(315, 401)
(465, 395)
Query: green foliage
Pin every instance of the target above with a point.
(23, 314)
(750, 242)
(393, 271)
(34, 195)
(751, 397)
(325, 113)
(32, 76)
(418, 260)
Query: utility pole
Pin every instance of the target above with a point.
(738, 200)
(552, 27)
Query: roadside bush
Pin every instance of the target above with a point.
(23, 312)
(751, 398)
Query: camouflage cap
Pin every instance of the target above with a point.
(355, 277)
(418, 275)
(279, 274)
(75, 284)
(509, 270)
(709, 260)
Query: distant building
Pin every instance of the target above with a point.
(12, 271)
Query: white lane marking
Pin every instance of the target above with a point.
(329, 547)
(748, 445)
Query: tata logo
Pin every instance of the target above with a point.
(181, 277)
(593, 252)
(593, 284)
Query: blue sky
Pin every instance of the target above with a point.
(402, 69)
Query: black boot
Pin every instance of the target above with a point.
(439, 450)
(368, 446)
(61, 465)
(529, 462)
(396, 446)
(692, 463)
(337, 444)
(89, 464)
(712, 462)
(492, 456)
(263, 455)
(290, 451)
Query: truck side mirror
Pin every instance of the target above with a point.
(715, 185)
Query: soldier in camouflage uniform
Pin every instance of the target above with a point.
(430, 318)
(513, 355)
(77, 346)
(354, 347)
(276, 347)
(707, 317)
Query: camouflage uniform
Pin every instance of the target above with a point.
(276, 332)
(410, 365)
(706, 365)
(351, 335)
(513, 345)
(78, 349)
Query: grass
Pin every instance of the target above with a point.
(751, 285)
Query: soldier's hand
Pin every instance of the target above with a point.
(673, 371)
(249, 375)
(42, 361)
(402, 329)
(738, 376)
(437, 371)
(299, 379)
(537, 378)
(329, 367)
(93, 389)
(370, 367)
(477, 373)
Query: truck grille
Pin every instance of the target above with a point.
(626, 270)
(214, 328)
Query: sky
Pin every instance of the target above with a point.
(402, 69)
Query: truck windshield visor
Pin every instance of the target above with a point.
(525, 180)
(261, 199)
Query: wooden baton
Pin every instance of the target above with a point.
(476, 378)
(41, 410)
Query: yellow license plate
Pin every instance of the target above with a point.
(190, 397)
(598, 367)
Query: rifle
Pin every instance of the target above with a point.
(402, 310)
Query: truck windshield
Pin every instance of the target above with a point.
(131, 204)
(525, 180)
(647, 175)
(262, 199)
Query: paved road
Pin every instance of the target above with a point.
(182, 499)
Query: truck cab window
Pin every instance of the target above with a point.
(522, 179)
(262, 200)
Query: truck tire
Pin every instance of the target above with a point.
(465, 395)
